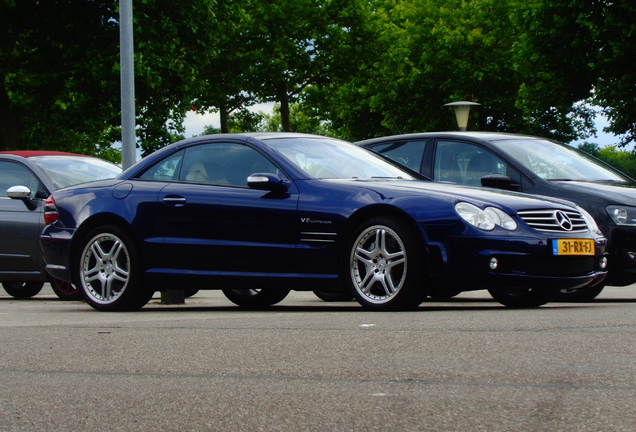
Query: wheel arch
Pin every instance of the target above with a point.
(382, 210)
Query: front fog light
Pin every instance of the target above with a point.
(631, 255)
(602, 263)
(494, 263)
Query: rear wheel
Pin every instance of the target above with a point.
(22, 289)
(65, 290)
(580, 295)
(386, 265)
(189, 292)
(523, 297)
(333, 296)
(255, 298)
(108, 271)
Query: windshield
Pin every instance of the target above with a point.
(71, 170)
(553, 161)
(335, 159)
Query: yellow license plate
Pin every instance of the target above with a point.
(573, 247)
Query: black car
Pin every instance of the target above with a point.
(532, 165)
(27, 178)
(258, 215)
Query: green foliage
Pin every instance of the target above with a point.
(301, 120)
(245, 121)
(348, 68)
(580, 50)
(622, 160)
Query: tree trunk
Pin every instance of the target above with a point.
(224, 114)
(283, 98)
(8, 133)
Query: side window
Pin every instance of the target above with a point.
(223, 163)
(464, 163)
(15, 174)
(164, 170)
(408, 153)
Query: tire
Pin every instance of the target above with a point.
(440, 293)
(255, 298)
(386, 266)
(189, 292)
(523, 297)
(108, 271)
(22, 289)
(333, 296)
(65, 290)
(584, 294)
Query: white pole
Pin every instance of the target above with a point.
(127, 75)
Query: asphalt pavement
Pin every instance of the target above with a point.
(465, 364)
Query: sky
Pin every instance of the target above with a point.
(194, 123)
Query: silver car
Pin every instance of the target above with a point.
(27, 178)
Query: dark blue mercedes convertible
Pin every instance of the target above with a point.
(257, 215)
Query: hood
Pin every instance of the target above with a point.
(604, 191)
(396, 189)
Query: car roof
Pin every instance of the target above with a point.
(247, 135)
(489, 136)
(32, 153)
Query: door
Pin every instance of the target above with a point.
(20, 257)
(214, 224)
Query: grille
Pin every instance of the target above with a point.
(551, 220)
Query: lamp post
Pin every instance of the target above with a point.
(462, 109)
(127, 78)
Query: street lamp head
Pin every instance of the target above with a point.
(462, 109)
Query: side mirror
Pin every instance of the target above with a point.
(23, 194)
(267, 182)
(499, 181)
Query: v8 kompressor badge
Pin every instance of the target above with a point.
(314, 221)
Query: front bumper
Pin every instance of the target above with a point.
(474, 263)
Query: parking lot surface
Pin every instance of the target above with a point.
(465, 364)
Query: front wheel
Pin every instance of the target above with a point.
(386, 265)
(65, 290)
(108, 273)
(523, 297)
(22, 289)
(255, 298)
(580, 295)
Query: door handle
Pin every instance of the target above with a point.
(174, 200)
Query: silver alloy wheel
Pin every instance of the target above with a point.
(378, 264)
(105, 268)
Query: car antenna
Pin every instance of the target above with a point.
(396, 127)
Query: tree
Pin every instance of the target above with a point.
(56, 74)
(291, 46)
(59, 71)
(580, 50)
(422, 54)
(300, 120)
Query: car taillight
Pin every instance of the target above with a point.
(51, 214)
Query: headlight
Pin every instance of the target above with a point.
(501, 218)
(475, 216)
(622, 215)
(589, 220)
(485, 219)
